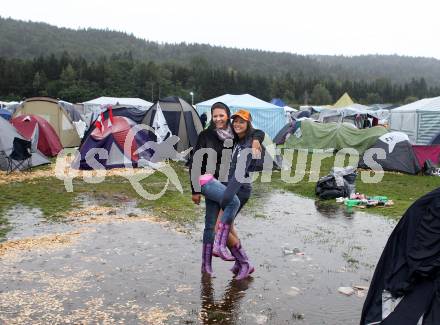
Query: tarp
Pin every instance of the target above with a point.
(312, 135)
(97, 103)
(420, 120)
(7, 135)
(265, 116)
(352, 110)
(409, 268)
(431, 152)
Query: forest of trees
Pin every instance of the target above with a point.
(75, 79)
(78, 65)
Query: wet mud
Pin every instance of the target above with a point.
(120, 267)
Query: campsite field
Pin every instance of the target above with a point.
(48, 193)
(93, 255)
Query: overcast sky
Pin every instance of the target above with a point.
(305, 27)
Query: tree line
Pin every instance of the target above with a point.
(75, 79)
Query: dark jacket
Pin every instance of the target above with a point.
(242, 164)
(208, 139)
(410, 268)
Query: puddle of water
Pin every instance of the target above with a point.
(133, 272)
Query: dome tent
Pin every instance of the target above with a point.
(112, 137)
(7, 135)
(181, 118)
(48, 141)
(60, 118)
(399, 157)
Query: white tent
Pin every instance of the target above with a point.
(419, 120)
(95, 105)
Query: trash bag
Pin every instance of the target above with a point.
(341, 182)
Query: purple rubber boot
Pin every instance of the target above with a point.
(245, 268)
(207, 259)
(236, 268)
(221, 237)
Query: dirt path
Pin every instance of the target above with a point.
(135, 269)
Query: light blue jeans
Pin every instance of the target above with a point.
(213, 192)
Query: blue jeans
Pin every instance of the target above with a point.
(213, 192)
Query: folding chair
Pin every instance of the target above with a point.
(21, 155)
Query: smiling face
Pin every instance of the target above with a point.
(220, 118)
(240, 126)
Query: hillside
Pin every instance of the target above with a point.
(27, 40)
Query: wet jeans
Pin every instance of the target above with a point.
(213, 192)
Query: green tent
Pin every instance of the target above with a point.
(312, 135)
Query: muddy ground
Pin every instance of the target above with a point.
(121, 266)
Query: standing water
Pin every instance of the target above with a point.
(145, 272)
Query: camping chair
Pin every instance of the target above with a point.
(20, 156)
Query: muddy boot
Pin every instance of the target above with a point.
(221, 237)
(245, 268)
(207, 259)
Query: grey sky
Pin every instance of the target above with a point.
(305, 27)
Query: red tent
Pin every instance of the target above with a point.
(48, 141)
(431, 152)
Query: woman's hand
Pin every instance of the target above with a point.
(256, 149)
(196, 198)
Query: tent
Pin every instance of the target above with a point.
(112, 137)
(278, 101)
(435, 139)
(133, 113)
(4, 113)
(424, 153)
(286, 132)
(420, 120)
(7, 135)
(59, 117)
(312, 135)
(181, 118)
(399, 157)
(354, 113)
(343, 101)
(95, 105)
(265, 116)
(48, 142)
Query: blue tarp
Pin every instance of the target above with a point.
(265, 116)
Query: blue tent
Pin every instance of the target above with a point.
(265, 116)
(278, 101)
(5, 114)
